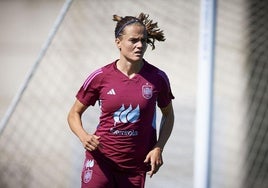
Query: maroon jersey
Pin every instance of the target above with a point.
(127, 124)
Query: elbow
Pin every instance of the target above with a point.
(69, 118)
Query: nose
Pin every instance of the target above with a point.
(139, 44)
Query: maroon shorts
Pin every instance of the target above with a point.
(100, 174)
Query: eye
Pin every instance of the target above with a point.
(143, 40)
(134, 41)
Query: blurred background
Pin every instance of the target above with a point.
(37, 149)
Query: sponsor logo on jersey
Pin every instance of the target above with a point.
(147, 91)
(125, 115)
(123, 132)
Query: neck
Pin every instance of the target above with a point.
(130, 69)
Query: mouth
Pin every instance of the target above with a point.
(139, 53)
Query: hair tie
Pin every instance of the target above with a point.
(123, 26)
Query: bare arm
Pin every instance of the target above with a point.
(89, 141)
(166, 126)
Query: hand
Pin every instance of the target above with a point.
(91, 142)
(154, 157)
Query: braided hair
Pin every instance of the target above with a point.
(153, 31)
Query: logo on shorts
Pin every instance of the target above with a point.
(89, 163)
(87, 174)
(147, 91)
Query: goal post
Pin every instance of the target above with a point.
(204, 108)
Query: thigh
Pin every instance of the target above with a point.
(130, 180)
(96, 174)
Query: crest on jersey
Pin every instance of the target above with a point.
(147, 91)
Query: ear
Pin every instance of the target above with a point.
(118, 43)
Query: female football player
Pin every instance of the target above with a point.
(125, 146)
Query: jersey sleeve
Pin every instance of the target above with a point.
(89, 93)
(165, 95)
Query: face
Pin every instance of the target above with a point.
(132, 43)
